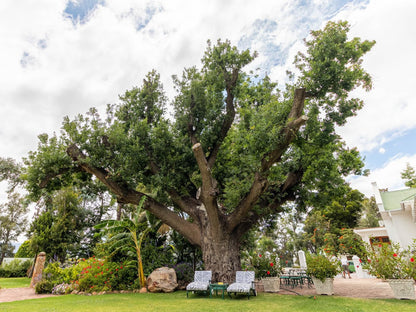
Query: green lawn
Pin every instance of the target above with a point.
(14, 282)
(178, 302)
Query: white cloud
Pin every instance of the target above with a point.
(69, 68)
(389, 108)
(387, 176)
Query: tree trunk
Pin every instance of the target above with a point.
(222, 257)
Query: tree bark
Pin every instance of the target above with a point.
(222, 257)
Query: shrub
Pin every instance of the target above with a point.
(44, 287)
(391, 262)
(322, 267)
(15, 268)
(264, 265)
(184, 272)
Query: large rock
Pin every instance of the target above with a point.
(37, 272)
(162, 280)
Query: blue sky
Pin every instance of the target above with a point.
(61, 57)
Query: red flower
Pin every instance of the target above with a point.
(412, 259)
(260, 256)
(369, 260)
(358, 266)
(121, 267)
(360, 261)
(116, 269)
(271, 264)
(394, 255)
(268, 272)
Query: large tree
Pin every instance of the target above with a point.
(235, 150)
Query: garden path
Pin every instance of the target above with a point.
(370, 288)
(16, 294)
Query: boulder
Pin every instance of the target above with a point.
(162, 280)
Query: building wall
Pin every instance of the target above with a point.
(400, 227)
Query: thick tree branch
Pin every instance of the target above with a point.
(60, 172)
(259, 185)
(209, 189)
(229, 117)
(187, 204)
(294, 121)
(191, 122)
(127, 195)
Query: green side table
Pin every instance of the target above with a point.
(217, 287)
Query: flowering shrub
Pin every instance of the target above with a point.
(391, 262)
(98, 275)
(346, 242)
(264, 265)
(88, 275)
(62, 289)
(322, 267)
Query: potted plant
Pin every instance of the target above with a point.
(267, 269)
(395, 265)
(322, 269)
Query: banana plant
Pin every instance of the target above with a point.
(122, 233)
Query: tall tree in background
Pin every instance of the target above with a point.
(58, 230)
(12, 224)
(409, 176)
(236, 151)
(370, 213)
(13, 212)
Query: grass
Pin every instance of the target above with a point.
(177, 302)
(14, 282)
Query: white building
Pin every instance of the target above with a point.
(398, 210)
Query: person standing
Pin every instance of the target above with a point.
(344, 264)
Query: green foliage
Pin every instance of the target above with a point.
(409, 176)
(100, 275)
(44, 287)
(89, 275)
(391, 262)
(370, 213)
(345, 243)
(264, 265)
(12, 223)
(322, 267)
(25, 250)
(244, 125)
(15, 268)
(58, 232)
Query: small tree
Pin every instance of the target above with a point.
(128, 235)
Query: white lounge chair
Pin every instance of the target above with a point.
(244, 284)
(201, 282)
